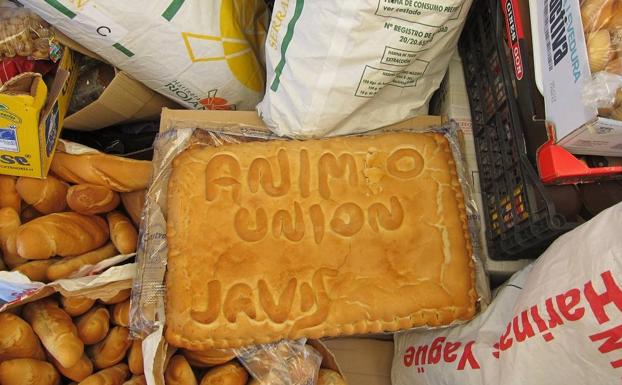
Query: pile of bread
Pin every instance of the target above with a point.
(80, 340)
(219, 367)
(50, 228)
(63, 340)
(602, 24)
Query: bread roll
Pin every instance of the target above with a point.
(134, 203)
(111, 350)
(595, 14)
(614, 66)
(8, 194)
(121, 314)
(47, 195)
(115, 375)
(227, 374)
(9, 223)
(64, 234)
(92, 199)
(17, 339)
(67, 266)
(119, 297)
(136, 380)
(207, 358)
(75, 306)
(94, 325)
(179, 372)
(599, 50)
(116, 173)
(27, 371)
(55, 330)
(36, 271)
(81, 370)
(122, 232)
(135, 357)
(329, 377)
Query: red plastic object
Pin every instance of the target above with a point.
(557, 166)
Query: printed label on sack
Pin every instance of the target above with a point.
(96, 23)
(414, 25)
(599, 299)
(416, 11)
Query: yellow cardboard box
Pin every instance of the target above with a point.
(31, 119)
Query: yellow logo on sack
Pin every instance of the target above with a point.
(242, 35)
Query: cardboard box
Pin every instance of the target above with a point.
(124, 100)
(363, 361)
(250, 119)
(452, 103)
(565, 72)
(30, 123)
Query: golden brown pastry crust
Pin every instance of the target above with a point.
(285, 239)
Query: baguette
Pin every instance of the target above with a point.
(121, 314)
(66, 266)
(36, 271)
(27, 371)
(47, 195)
(179, 372)
(135, 357)
(55, 330)
(94, 325)
(81, 370)
(208, 358)
(17, 339)
(92, 199)
(9, 223)
(136, 380)
(227, 374)
(119, 297)
(64, 234)
(8, 194)
(114, 375)
(75, 306)
(112, 349)
(116, 173)
(134, 203)
(122, 232)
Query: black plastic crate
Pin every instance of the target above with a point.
(521, 215)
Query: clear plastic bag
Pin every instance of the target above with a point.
(23, 33)
(604, 93)
(148, 311)
(93, 78)
(282, 363)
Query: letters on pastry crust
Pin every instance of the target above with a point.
(285, 239)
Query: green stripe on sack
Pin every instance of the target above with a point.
(172, 9)
(286, 40)
(61, 8)
(124, 50)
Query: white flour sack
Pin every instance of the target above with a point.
(340, 67)
(558, 321)
(204, 54)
